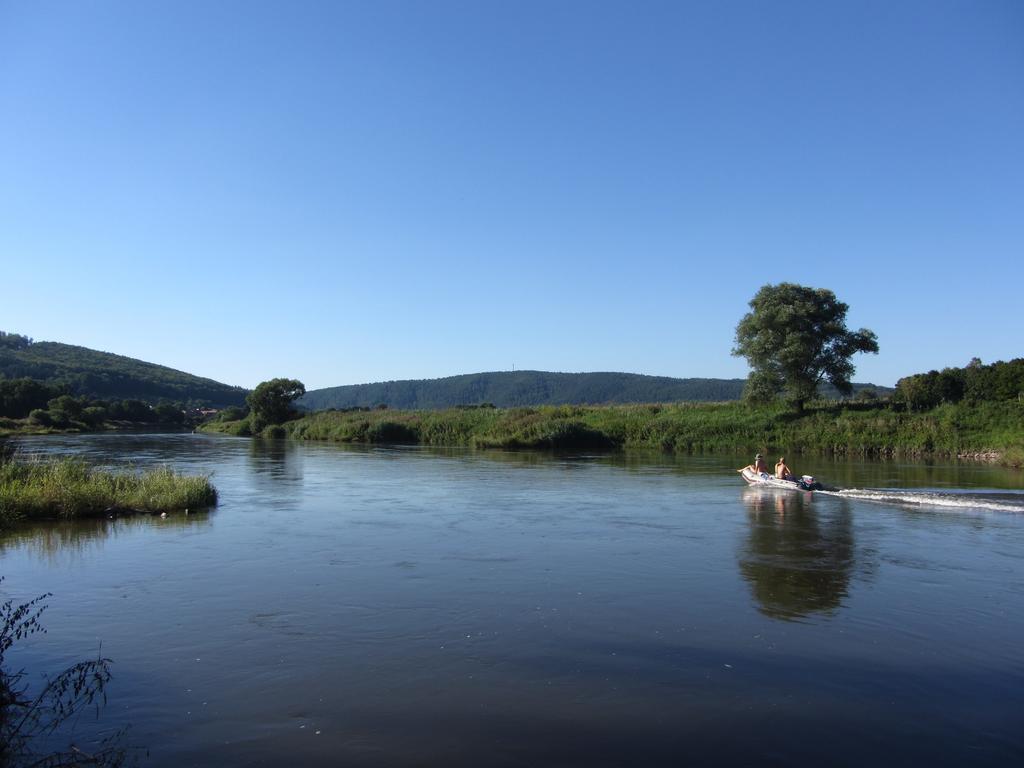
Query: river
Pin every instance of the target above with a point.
(408, 606)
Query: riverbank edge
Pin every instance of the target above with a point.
(22, 428)
(38, 489)
(987, 432)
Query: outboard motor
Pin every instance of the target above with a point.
(808, 483)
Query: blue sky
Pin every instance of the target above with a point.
(351, 192)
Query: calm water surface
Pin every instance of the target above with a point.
(413, 607)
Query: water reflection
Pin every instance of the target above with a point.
(839, 471)
(797, 562)
(275, 461)
(453, 607)
(52, 540)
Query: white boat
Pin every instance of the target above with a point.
(805, 483)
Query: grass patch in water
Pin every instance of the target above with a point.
(65, 488)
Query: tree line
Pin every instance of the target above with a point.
(51, 405)
(974, 383)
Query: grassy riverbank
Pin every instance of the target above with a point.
(25, 427)
(12, 427)
(63, 488)
(850, 428)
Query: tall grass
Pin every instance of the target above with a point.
(836, 428)
(64, 488)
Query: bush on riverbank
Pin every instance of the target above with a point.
(861, 428)
(239, 428)
(52, 488)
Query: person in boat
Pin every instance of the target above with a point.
(759, 466)
(782, 472)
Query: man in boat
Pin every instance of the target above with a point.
(759, 466)
(782, 472)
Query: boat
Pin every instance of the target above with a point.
(804, 483)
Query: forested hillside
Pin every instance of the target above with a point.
(525, 388)
(85, 371)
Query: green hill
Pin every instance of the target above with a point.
(528, 388)
(104, 375)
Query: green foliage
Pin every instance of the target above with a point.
(131, 410)
(975, 383)
(41, 417)
(795, 338)
(232, 413)
(1014, 456)
(18, 397)
(69, 408)
(83, 371)
(556, 435)
(14, 341)
(29, 718)
(392, 433)
(71, 488)
(525, 388)
(271, 402)
(858, 428)
(763, 386)
(67, 412)
(239, 428)
(94, 416)
(168, 413)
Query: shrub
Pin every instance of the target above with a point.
(576, 436)
(18, 397)
(256, 424)
(232, 413)
(1014, 457)
(41, 418)
(67, 404)
(61, 419)
(392, 432)
(168, 413)
(94, 416)
(29, 718)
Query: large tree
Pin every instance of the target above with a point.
(796, 337)
(271, 401)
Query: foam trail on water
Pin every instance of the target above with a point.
(994, 501)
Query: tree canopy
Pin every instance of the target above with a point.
(974, 383)
(14, 341)
(796, 337)
(271, 401)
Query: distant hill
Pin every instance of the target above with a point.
(519, 388)
(104, 375)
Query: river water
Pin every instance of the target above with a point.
(407, 606)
